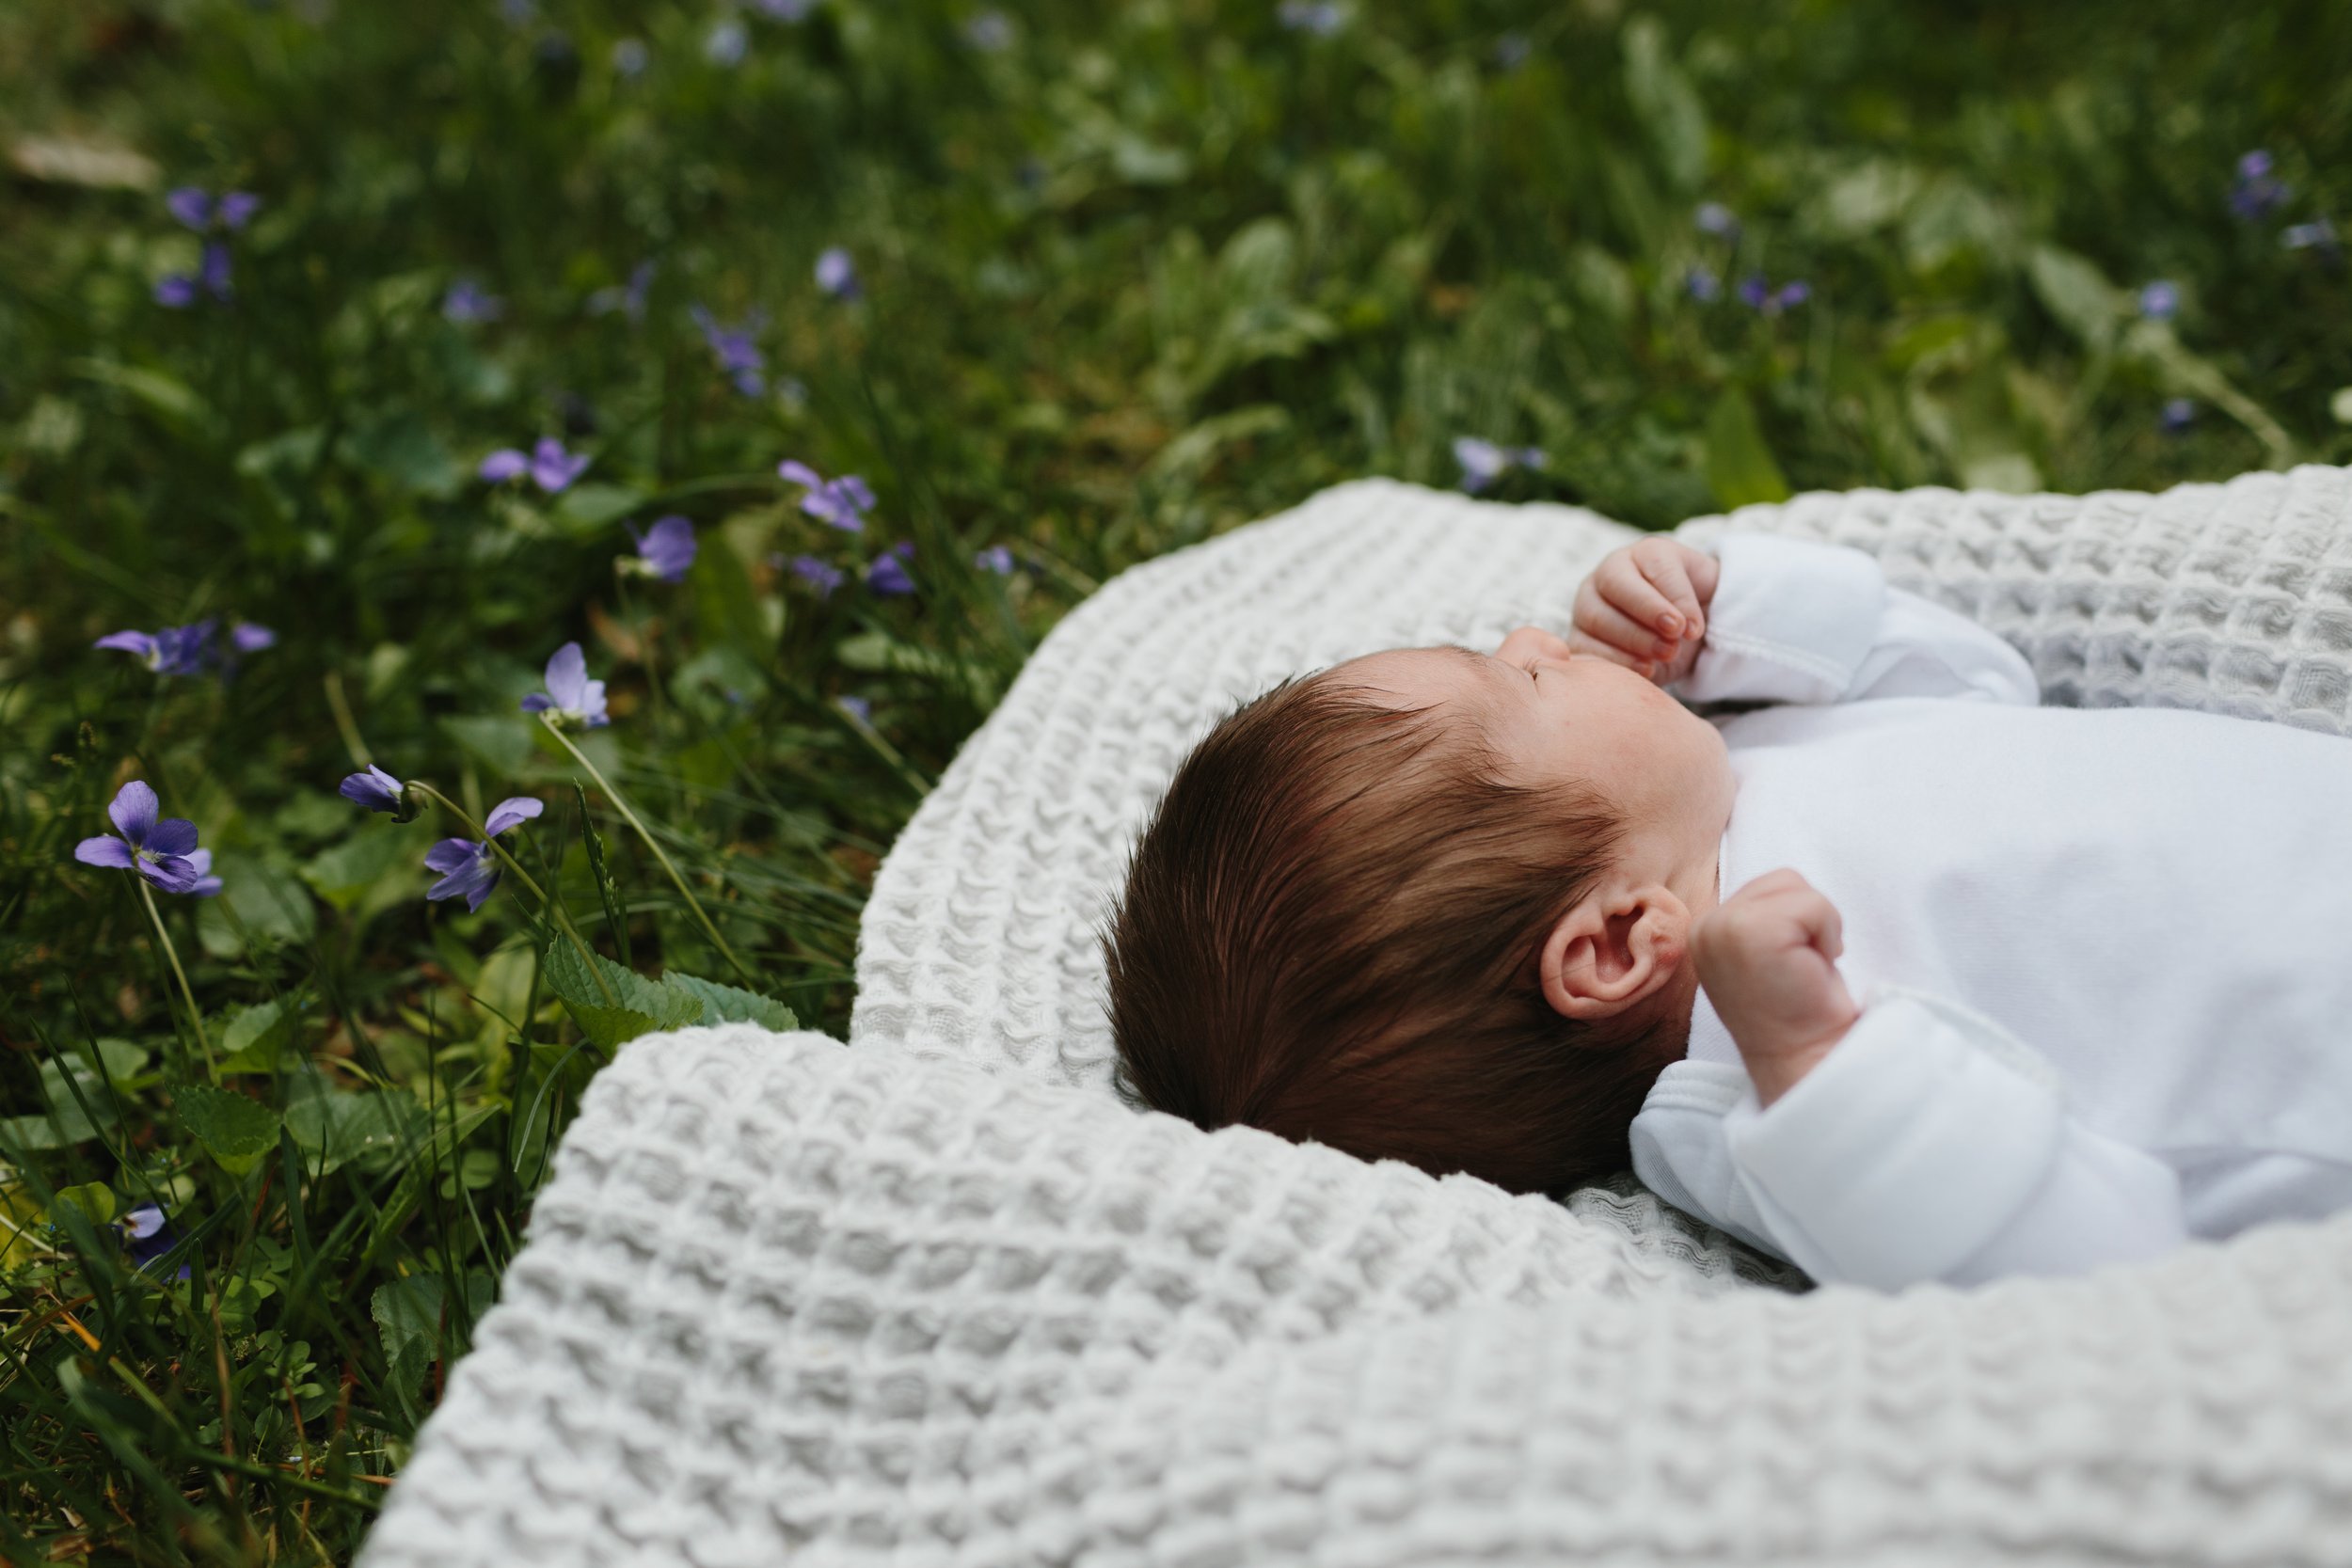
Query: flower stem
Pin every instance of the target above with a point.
(621, 804)
(196, 1019)
(555, 912)
(343, 721)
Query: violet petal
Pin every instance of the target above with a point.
(105, 850)
(133, 812)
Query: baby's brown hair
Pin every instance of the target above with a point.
(1331, 930)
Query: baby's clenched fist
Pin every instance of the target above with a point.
(1644, 607)
(1767, 957)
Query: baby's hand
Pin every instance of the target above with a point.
(1645, 607)
(1765, 957)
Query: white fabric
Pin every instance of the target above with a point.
(939, 1299)
(2157, 903)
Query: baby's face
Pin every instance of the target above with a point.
(1556, 716)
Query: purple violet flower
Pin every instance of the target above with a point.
(549, 466)
(738, 355)
(819, 574)
(841, 504)
(164, 851)
(1703, 283)
(996, 558)
(374, 789)
(147, 1235)
(786, 11)
(1320, 17)
(887, 574)
(1483, 462)
(835, 274)
(469, 870)
(2179, 414)
(1715, 218)
(206, 885)
(2159, 301)
(857, 708)
(213, 270)
(2257, 192)
(666, 549)
(179, 290)
(174, 651)
(629, 298)
(1769, 301)
(195, 208)
(570, 695)
(251, 637)
(466, 302)
(192, 205)
(725, 43)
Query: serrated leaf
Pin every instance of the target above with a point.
(234, 1131)
(723, 1004)
(1740, 466)
(625, 1006)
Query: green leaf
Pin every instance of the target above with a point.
(501, 743)
(2077, 295)
(120, 1059)
(269, 900)
(95, 1201)
(634, 1007)
(409, 1320)
(1667, 105)
(1740, 466)
(586, 508)
(255, 1037)
(234, 1131)
(402, 448)
(175, 400)
(64, 1123)
(370, 1130)
(342, 873)
(722, 1004)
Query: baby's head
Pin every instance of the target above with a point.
(1430, 905)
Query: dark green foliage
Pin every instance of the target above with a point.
(1150, 270)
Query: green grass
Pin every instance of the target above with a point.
(1147, 273)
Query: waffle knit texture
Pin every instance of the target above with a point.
(941, 1298)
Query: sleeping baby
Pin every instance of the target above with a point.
(1890, 972)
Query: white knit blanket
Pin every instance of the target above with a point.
(938, 1297)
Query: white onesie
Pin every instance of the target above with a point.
(2104, 957)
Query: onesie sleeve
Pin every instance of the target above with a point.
(1915, 1151)
(1802, 621)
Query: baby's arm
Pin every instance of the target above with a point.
(1786, 620)
(1910, 1139)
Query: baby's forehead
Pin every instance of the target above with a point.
(1416, 677)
